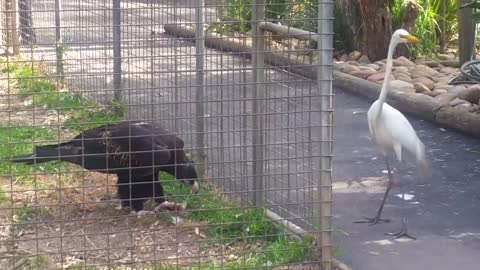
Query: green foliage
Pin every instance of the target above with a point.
(81, 265)
(303, 15)
(83, 113)
(22, 215)
(16, 141)
(427, 25)
(237, 15)
(3, 196)
(226, 222)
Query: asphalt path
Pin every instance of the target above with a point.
(443, 212)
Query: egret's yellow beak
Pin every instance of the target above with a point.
(411, 38)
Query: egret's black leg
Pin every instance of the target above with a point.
(403, 230)
(377, 219)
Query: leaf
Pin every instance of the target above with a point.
(473, 4)
(476, 17)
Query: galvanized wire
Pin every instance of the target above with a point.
(260, 135)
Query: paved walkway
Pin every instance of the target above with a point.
(444, 213)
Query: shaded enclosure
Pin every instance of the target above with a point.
(260, 136)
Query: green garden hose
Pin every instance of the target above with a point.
(470, 73)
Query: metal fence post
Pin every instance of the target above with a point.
(117, 50)
(199, 95)
(258, 15)
(324, 79)
(59, 47)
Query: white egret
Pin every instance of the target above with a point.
(392, 132)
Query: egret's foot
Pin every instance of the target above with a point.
(172, 206)
(402, 233)
(373, 221)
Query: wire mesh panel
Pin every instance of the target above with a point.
(114, 112)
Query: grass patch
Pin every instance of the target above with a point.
(3, 196)
(31, 262)
(16, 141)
(24, 214)
(82, 112)
(224, 218)
(82, 266)
(227, 223)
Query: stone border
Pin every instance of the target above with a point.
(420, 105)
(235, 45)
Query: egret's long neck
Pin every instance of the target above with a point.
(388, 70)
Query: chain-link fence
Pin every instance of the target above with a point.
(244, 85)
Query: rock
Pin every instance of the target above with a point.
(443, 80)
(402, 86)
(343, 58)
(367, 68)
(457, 89)
(444, 99)
(364, 74)
(338, 65)
(457, 101)
(345, 67)
(397, 63)
(401, 72)
(354, 56)
(419, 74)
(463, 106)
(474, 108)
(364, 60)
(431, 63)
(420, 87)
(423, 68)
(437, 78)
(430, 93)
(419, 61)
(403, 77)
(439, 92)
(442, 56)
(450, 63)
(379, 77)
(449, 70)
(425, 81)
(442, 85)
(353, 63)
(404, 61)
(401, 69)
(470, 94)
(374, 66)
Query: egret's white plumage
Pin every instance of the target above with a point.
(391, 130)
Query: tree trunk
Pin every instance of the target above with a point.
(350, 11)
(377, 28)
(408, 21)
(466, 33)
